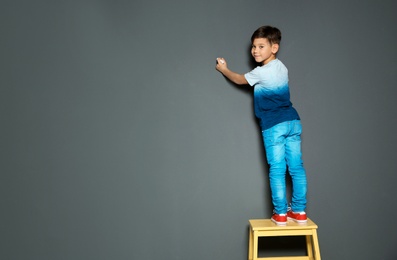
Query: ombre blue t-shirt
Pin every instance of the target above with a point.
(271, 94)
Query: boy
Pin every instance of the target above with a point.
(279, 121)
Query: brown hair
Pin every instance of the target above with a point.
(272, 34)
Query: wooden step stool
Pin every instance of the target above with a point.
(266, 228)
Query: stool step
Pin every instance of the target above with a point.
(267, 224)
(285, 258)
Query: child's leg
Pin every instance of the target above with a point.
(295, 167)
(274, 140)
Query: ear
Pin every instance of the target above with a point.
(275, 48)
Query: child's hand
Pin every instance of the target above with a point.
(221, 64)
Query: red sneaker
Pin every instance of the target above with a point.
(299, 217)
(279, 219)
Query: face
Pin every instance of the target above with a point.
(262, 51)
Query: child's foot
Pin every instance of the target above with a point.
(299, 217)
(279, 219)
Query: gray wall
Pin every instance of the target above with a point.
(119, 140)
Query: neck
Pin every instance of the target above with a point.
(273, 57)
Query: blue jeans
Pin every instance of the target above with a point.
(283, 148)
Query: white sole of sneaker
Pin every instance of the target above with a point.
(298, 221)
(279, 223)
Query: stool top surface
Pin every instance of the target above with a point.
(267, 224)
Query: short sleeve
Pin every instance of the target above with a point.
(253, 77)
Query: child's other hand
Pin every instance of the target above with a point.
(221, 64)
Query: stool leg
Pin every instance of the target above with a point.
(255, 247)
(316, 246)
(309, 246)
(250, 244)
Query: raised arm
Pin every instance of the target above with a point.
(221, 66)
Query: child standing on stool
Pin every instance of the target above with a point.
(279, 121)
